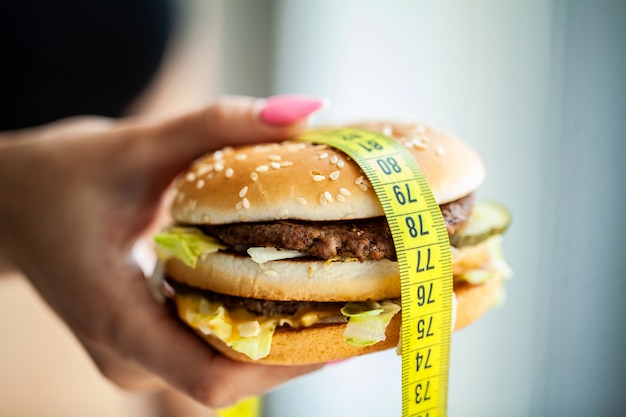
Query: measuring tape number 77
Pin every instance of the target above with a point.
(424, 262)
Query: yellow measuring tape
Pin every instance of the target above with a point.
(249, 407)
(424, 261)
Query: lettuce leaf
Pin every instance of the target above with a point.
(368, 321)
(210, 319)
(186, 244)
(256, 346)
(496, 264)
(250, 337)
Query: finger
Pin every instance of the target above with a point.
(231, 120)
(226, 389)
(125, 373)
(172, 351)
(173, 403)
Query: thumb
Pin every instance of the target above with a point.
(172, 144)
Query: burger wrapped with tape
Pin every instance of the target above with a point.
(280, 253)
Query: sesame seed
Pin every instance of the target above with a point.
(359, 180)
(344, 191)
(254, 176)
(246, 203)
(334, 159)
(244, 218)
(218, 154)
(229, 172)
(301, 201)
(323, 200)
(341, 198)
(340, 163)
(262, 168)
(323, 155)
(219, 166)
(239, 205)
(204, 169)
(275, 165)
(274, 158)
(328, 196)
(318, 178)
(440, 151)
(295, 146)
(286, 164)
(283, 213)
(241, 156)
(190, 177)
(199, 184)
(387, 131)
(334, 175)
(363, 187)
(419, 143)
(243, 192)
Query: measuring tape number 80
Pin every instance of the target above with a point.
(424, 262)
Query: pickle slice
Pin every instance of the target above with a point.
(488, 218)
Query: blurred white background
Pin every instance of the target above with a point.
(538, 87)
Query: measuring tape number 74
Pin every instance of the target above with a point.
(424, 262)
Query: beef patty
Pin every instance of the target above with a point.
(255, 306)
(364, 239)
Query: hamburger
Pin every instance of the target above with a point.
(280, 252)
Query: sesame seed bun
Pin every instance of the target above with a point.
(293, 180)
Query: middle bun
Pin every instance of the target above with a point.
(286, 280)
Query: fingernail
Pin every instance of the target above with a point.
(288, 109)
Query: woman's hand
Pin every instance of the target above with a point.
(79, 193)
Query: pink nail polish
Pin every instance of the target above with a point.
(288, 109)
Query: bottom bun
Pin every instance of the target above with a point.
(325, 343)
(308, 345)
(473, 301)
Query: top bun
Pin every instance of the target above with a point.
(296, 180)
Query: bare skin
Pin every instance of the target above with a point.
(77, 195)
